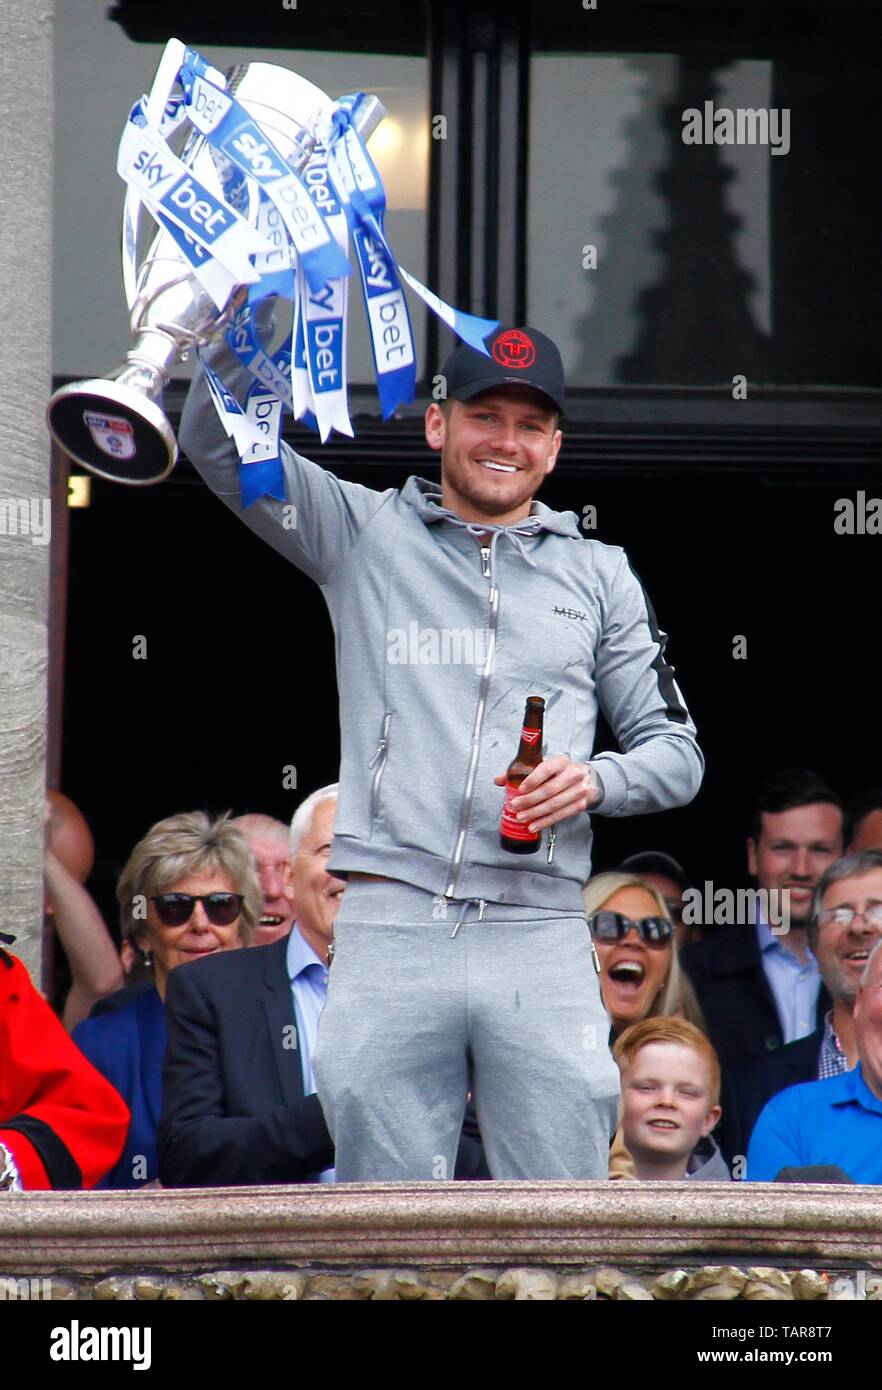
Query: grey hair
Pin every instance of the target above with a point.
(599, 890)
(302, 818)
(868, 968)
(256, 823)
(863, 861)
(188, 843)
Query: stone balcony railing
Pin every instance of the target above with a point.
(622, 1240)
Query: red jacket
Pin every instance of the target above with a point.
(64, 1125)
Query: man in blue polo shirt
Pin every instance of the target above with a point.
(839, 1120)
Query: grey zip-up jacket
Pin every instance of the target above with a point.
(439, 642)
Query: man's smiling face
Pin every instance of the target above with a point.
(496, 449)
(842, 951)
(793, 850)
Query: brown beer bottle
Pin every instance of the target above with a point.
(514, 835)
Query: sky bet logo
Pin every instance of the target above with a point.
(377, 276)
(321, 192)
(186, 201)
(257, 154)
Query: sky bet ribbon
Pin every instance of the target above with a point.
(218, 282)
(359, 185)
(323, 316)
(228, 127)
(294, 243)
(170, 187)
(244, 432)
(244, 339)
(300, 384)
(262, 471)
(384, 301)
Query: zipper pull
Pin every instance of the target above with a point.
(552, 836)
(384, 741)
(485, 561)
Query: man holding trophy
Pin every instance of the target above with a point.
(457, 966)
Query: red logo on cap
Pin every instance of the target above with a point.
(514, 348)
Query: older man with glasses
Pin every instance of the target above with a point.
(837, 1118)
(845, 923)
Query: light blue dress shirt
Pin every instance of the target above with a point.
(309, 990)
(795, 987)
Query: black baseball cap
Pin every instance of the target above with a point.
(655, 861)
(518, 357)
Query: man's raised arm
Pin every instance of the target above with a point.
(322, 516)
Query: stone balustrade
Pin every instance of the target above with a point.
(624, 1240)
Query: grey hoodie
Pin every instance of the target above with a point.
(706, 1163)
(439, 642)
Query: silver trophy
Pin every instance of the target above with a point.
(115, 426)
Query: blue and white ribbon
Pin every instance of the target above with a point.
(294, 244)
(215, 279)
(170, 187)
(323, 312)
(301, 388)
(245, 342)
(244, 433)
(358, 176)
(263, 473)
(228, 127)
(361, 192)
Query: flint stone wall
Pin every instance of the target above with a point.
(522, 1241)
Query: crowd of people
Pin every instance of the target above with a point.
(390, 989)
(184, 1054)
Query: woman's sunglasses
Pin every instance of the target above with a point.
(174, 909)
(613, 926)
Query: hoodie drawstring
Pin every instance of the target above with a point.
(467, 903)
(515, 534)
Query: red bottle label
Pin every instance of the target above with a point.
(509, 823)
(530, 735)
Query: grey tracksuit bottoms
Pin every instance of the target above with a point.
(509, 1007)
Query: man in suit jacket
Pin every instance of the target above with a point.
(842, 930)
(235, 1110)
(736, 999)
(758, 985)
(747, 1089)
(239, 1097)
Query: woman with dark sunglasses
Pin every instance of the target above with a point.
(189, 889)
(640, 976)
(633, 935)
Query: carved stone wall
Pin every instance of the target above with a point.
(626, 1241)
